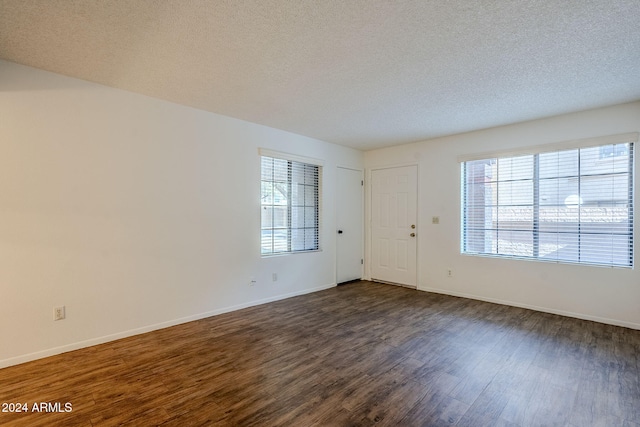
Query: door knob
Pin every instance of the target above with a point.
(412, 234)
(413, 226)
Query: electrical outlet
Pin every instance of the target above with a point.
(58, 313)
(449, 273)
(274, 277)
(435, 220)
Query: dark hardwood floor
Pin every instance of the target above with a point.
(359, 354)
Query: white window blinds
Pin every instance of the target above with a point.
(290, 205)
(573, 205)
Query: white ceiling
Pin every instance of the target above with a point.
(361, 73)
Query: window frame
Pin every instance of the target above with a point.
(536, 151)
(301, 162)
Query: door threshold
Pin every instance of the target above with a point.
(385, 282)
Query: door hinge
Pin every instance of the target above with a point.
(361, 261)
(362, 183)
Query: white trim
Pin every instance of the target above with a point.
(293, 157)
(149, 328)
(545, 260)
(582, 316)
(554, 146)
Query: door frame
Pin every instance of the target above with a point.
(362, 215)
(368, 221)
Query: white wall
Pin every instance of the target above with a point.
(597, 293)
(134, 213)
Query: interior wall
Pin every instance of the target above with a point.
(609, 295)
(135, 214)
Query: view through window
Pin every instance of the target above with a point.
(571, 206)
(289, 205)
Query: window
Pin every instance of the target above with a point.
(290, 205)
(573, 205)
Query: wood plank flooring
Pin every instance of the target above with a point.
(360, 354)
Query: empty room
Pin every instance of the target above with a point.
(319, 213)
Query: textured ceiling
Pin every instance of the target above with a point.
(362, 73)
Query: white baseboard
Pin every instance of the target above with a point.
(615, 322)
(112, 337)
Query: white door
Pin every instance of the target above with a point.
(394, 204)
(349, 221)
